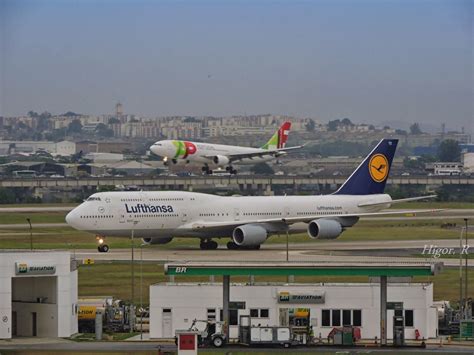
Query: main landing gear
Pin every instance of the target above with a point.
(208, 171)
(208, 244)
(102, 247)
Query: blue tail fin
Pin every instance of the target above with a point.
(371, 175)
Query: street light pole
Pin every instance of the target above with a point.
(31, 233)
(461, 303)
(132, 308)
(141, 291)
(465, 272)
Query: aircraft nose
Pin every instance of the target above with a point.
(70, 217)
(156, 149)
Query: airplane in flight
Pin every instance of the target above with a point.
(159, 216)
(222, 156)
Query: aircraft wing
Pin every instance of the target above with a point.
(257, 154)
(409, 199)
(290, 220)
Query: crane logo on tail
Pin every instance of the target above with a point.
(378, 167)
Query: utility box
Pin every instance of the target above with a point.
(398, 331)
(187, 341)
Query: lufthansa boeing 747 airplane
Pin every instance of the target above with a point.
(159, 216)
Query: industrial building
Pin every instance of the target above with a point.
(38, 294)
(320, 306)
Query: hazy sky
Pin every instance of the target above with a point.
(372, 61)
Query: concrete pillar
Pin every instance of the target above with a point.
(383, 310)
(268, 190)
(225, 303)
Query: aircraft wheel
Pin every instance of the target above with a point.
(232, 246)
(103, 248)
(213, 245)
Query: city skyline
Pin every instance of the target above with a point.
(375, 62)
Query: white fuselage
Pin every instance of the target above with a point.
(164, 214)
(203, 153)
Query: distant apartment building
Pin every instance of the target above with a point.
(64, 148)
(102, 147)
(425, 139)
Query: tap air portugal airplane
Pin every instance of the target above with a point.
(159, 216)
(222, 156)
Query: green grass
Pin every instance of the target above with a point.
(114, 278)
(35, 217)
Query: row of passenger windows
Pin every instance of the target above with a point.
(262, 213)
(166, 199)
(98, 216)
(131, 199)
(156, 215)
(213, 214)
(317, 213)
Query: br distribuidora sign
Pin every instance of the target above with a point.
(22, 268)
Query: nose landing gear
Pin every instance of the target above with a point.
(102, 247)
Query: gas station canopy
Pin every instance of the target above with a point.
(366, 268)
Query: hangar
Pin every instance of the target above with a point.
(38, 294)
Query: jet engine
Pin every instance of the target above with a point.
(249, 235)
(324, 229)
(220, 160)
(149, 241)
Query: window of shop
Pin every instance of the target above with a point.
(259, 312)
(326, 318)
(357, 317)
(336, 317)
(346, 317)
(409, 321)
(332, 317)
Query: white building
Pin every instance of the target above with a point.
(38, 294)
(324, 306)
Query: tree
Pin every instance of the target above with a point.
(310, 125)
(346, 122)
(103, 131)
(113, 120)
(415, 128)
(7, 196)
(74, 127)
(401, 132)
(262, 169)
(333, 125)
(449, 150)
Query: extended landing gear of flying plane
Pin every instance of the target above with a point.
(233, 246)
(208, 244)
(102, 248)
(231, 170)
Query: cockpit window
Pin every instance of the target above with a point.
(93, 198)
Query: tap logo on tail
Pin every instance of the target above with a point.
(378, 167)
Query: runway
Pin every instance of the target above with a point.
(310, 252)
